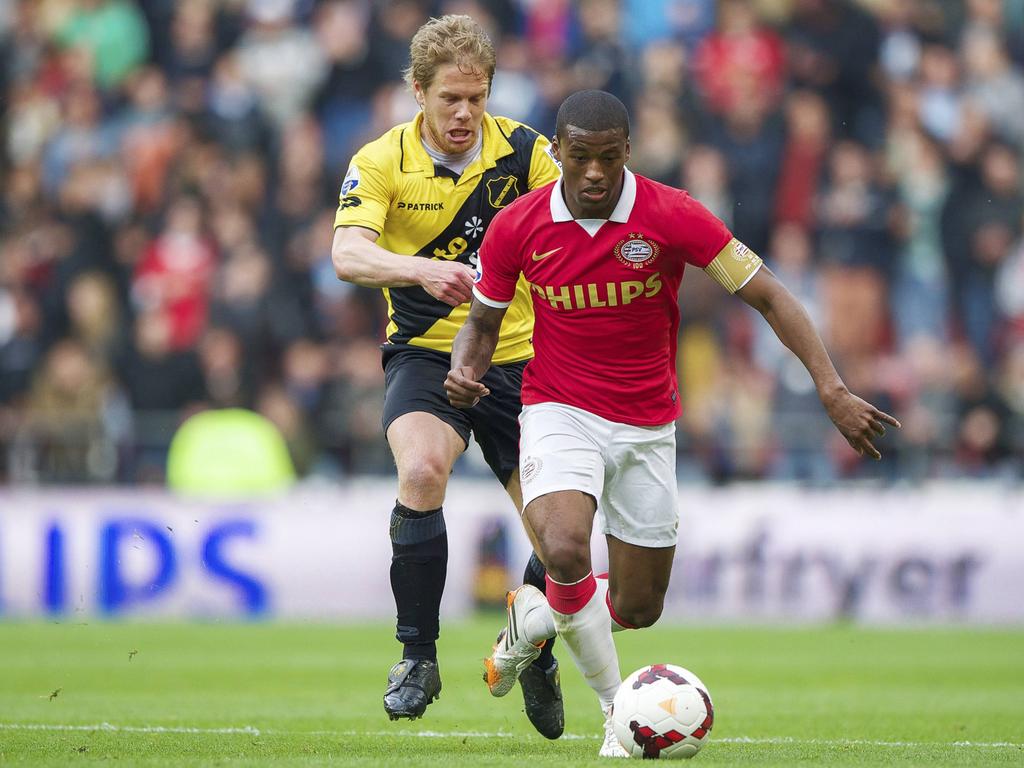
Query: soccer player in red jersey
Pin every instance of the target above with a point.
(603, 251)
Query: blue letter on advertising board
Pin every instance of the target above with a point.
(54, 579)
(116, 593)
(254, 594)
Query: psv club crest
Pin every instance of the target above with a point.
(636, 251)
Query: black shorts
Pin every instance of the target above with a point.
(414, 382)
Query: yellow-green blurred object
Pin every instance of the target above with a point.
(227, 453)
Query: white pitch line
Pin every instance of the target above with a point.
(723, 740)
(253, 731)
(430, 734)
(248, 729)
(866, 742)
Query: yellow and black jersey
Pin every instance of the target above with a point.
(394, 188)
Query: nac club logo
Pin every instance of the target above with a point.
(502, 191)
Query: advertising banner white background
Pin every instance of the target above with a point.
(939, 554)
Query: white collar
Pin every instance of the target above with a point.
(560, 211)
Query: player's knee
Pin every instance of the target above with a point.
(567, 557)
(639, 610)
(424, 476)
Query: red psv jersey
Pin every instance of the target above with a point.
(604, 294)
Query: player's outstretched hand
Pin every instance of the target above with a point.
(464, 391)
(859, 421)
(447, 281)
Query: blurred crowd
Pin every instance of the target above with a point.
(170, 170)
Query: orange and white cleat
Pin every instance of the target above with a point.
(513, 652)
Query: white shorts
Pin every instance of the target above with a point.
(629, 470)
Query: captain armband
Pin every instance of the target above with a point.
(734, 265)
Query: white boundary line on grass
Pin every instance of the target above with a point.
(253, 731)
(866, 742)
(723, 740)
(248, 729)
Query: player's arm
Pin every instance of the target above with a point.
(498, 269)
(857, 420)
(471, 354)
(363, 208)
(358, 259)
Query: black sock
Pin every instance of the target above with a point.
(419, 562)
(534, 575)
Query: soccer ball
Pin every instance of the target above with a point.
(662, 711)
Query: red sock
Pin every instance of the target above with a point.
(611, 609)
(570, 598)
(615, 617)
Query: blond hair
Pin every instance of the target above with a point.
(452, 39)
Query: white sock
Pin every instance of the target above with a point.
(540, 625)
(588, 636)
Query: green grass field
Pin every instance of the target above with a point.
(304, 695)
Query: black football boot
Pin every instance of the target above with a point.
(412, 685)
(542, 697)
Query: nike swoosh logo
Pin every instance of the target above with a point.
(539, 256)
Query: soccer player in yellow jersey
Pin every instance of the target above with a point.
(413, 209)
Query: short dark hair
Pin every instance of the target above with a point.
(592, 111)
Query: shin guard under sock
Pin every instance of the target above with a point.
(581, 617)
(419, 563)
(534, 576)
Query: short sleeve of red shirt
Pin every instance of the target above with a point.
(703, 236)
(499, 264)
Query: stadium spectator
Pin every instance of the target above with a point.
(112, 32)
(226, 378)
(191, 48)
(113, 111)
(343, 101)
(992, 84)
(279, 59)
(174, 273)
(706, 178)
(920, 289)
(980, 230)
(599, 58)
(938, 93)
(739, 60)
(798, 427)
(833, 48)
(853, 212)
(803, 158)
(752, 140)
(653, 21)
(94, 314)
(21, 347)
(69, 429)
(83, 136)
(660, 141)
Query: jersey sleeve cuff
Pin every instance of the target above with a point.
(363, 224)
(489, 301)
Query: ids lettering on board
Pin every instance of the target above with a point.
(165, 564)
